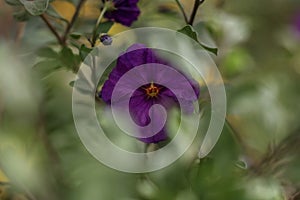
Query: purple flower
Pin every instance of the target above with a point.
(149, 92)
(297, 23)
(123, 11)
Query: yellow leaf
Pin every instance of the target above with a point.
(4, 192)
(188, 6)
(168, 6)
(90, 10)
(117, 28)
(3, 178)
(64, 8)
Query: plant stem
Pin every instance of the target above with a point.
(94, 38)
(182, 10)
(52, 29)
(71, 24)
(20, 33)
(195, 9)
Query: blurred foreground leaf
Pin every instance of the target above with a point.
(35, 7)
(190, 31)
(104, 27)
(65, 9)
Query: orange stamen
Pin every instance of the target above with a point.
(152, 90)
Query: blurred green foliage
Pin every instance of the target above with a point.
(256, 158)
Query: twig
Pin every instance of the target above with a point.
(182, 10)
(71, 24)
(295, 196)
(52, 29)
(195, 9)
(94, 38)
(1, 111)
(20, 33)
(280, 155)
(236, 135)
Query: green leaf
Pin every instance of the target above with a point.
(210, 49)
(13, 2)
(46, 67)
(36, 7)
(106, 73)
(72, 83)
(190, 32)
(75, 35)
(84, 51)
(236, 61)
(52, 12)
(69, 59)
(21, 15)
(241, 164)
(104, 27)
(47, 52)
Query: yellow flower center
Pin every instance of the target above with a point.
(152, 90)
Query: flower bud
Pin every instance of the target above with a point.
(106, 39)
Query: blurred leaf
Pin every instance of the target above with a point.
(190, 31)
(72, 83)
(204, 34)
(21, 15)
(69, 59)
(168, 8)
(36, 7)
(65, 58)
(65, 9)
(106, 73)
(53, 13)
(241, 164)
(104, 27)
(4, 191)
(84, 51)
(46, 67)
(75, 35)
(47, 52)
(90, 10)
(13, 2)
(117, 28)
(146, 189)
(236, 62)
(3, 178)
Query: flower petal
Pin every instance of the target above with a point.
(139, 109)
(161, 136)
(126, 12)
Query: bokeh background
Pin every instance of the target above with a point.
(257, 157)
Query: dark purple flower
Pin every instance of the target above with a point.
(297, 23)
(151, 93)
(123, 11)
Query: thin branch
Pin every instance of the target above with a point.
(283, 152)
(182, 10)
(195, 9)
(71, 24)
(237, 136)
(20, 33)
(95, 36)
(52, 29)
(1, 111)
(295, 196)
